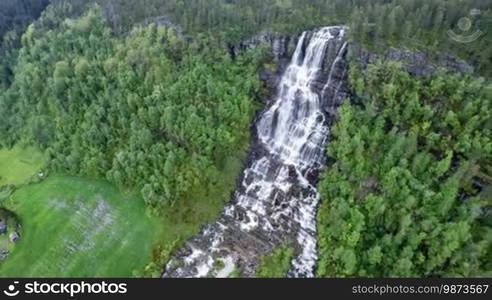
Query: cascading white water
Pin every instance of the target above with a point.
(275, 202)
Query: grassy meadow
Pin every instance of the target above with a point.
(77, 227)
(18, 164)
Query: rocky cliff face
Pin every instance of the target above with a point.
(415, 62)
(282, 46)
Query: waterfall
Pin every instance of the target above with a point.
(276, 201)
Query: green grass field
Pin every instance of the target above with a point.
(76, 227)
(18, 164)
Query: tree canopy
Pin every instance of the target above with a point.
(409, 191)
(148, 111)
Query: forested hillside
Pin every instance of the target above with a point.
(407, 195)
(377, 24)
(15, 16)
(148, 111)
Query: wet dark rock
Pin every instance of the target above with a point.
(282, 46)
(271, 78)
(162, 21)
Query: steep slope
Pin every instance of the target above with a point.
(275, 203)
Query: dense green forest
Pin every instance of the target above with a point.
(157, 115)
(408, 193)
(148, 111)
(165, 112)
(377, 24)
(15, 16)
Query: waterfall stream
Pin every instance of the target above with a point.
(276, 201)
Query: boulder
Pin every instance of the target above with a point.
(3, 254)
(14, 237)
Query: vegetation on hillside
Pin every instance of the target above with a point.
(408, 193)
(277, 264)
(376, 24)
(15, 16)
(148, 112)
